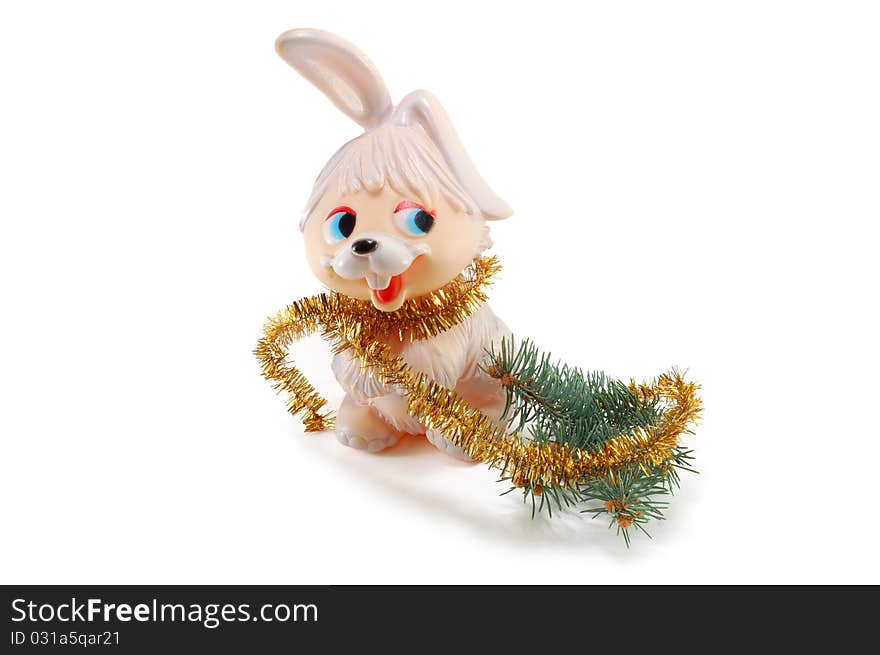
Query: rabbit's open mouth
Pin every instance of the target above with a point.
(381, 260)
(388, 294)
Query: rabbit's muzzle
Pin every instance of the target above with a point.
(377, 257)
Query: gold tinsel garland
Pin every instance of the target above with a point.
(358, 326)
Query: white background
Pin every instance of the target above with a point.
(695, 184)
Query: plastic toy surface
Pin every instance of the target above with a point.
(397, 213)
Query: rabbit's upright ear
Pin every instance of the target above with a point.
(340, 70)
(423, 109)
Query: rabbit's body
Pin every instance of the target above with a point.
(452, 359)
(397, 213)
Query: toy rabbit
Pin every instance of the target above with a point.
(397, 213)
(395, 228)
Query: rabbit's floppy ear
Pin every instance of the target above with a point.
(340, 70)
(423, 109)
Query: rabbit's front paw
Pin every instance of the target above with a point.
(359, 426)
(372, 442)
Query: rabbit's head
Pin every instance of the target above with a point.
(399, 211)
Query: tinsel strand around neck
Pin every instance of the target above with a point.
(425, 316)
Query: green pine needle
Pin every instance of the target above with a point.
(552, 402)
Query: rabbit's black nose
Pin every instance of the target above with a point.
(364, 246)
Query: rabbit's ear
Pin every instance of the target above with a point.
(340, 70)
(423, 109)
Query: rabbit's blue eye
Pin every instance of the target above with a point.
(413, 219)
(339, 224)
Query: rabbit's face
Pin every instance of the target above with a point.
(364, 237)
(384, 247)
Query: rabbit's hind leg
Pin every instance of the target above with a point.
(360, 426)
(481, 392)
(441, 443)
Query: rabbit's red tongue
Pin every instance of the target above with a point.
(390, 292)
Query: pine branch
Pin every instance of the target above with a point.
(562, 404)
(556, 403)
